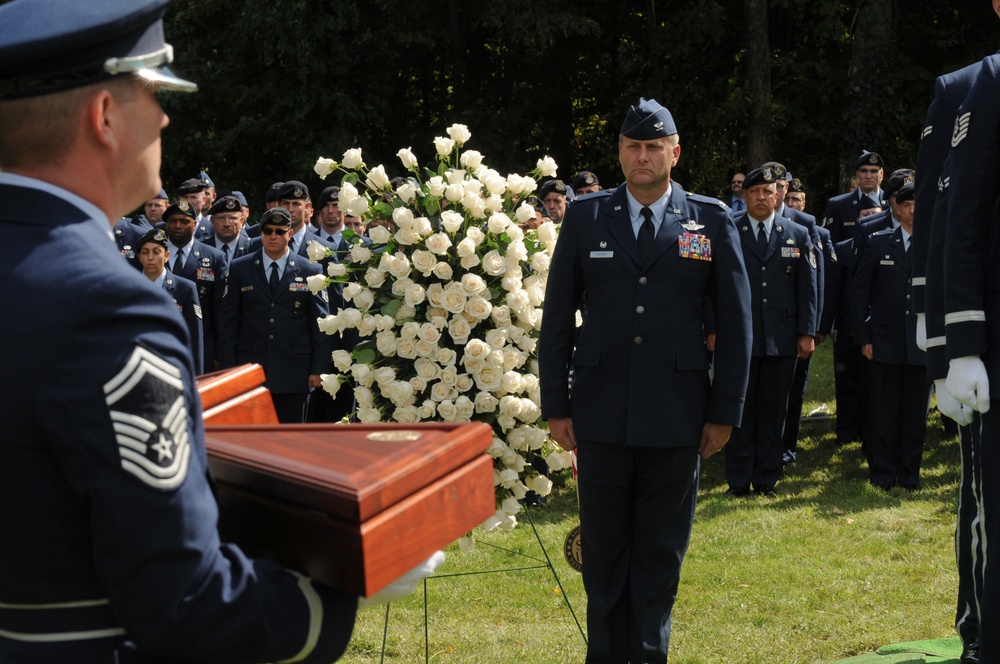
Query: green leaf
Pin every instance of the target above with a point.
(391, 307)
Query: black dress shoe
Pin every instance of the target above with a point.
(885, 486)
(738, 492)
(970, 652)
(766, 491)
(911, 487)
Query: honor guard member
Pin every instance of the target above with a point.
(781, 265)
(193, 191)
(128, 230)
(269, 317)
(227, 224)
(841, 215)
(930, 219)
(885, 327)
(103, 473)
(552, 194)
(850, 368)
(208, 194)
(245, 207)
(887, 218)
(331, 219)
(270, 201)
(796, 196)
(825, 254)
(202, 264)
(646, 256)
(585, 183)
(972, 305)
(152, 254)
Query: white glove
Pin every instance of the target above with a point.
(922, 333)
(950, 406)
(968, 382)
(405, 584)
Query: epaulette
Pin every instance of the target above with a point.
(708, 200)
(884, 231)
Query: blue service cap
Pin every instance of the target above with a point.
(238, 195)
(277, 216)
(162, 194)
(779, 170)
(203, 176)
(226, 204)
(647, 121)
(869, 159)
(155, 235)
(179, 208)
(327, 195)
(49, 46)
(292, 190)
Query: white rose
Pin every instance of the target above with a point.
(496, 338)
(407, 236)
(440, 392)
(406, 348)
(454, 298)
(519, 490)
(384, 375)
(464, 382)
(527, 344)
(559, 460)
(540, 484)
(405, 312)
(493, 203)
(406, 156)
(515, 233)
(374, 277)
(475, 349)
(398, 391)
(486, 402)
(403, 217)
(494, 183)
(510, 406)
(351, 289)
(331, 383)
(493, 523)
(469, 262)
(379, 234)
(510, 506)
(524, 213)
(384, 323)
(498, 223)
(446, 409)
(489, 379)
(406, 414)
(478, 307)
(419, 384)
(364, 300)
(446, 357)
(547, 167)
(336, 269)
(361, 373)
(424, 261)
(546, 232)
(501, 315)
(507, 478)
(459, 133)
(364, 397)
(349, 318)
(360, 253)
(386, 343)
(455, 176)
(377, 178)
(414, 295)
(316, 283)
(406, 193)
(329, 325)
(324, 167)
(454, 192)
(443, 271)
(465, 408)
(451, 220)
(449, 376)
(511, 382)
(475, 206)
(352, 159)
(471, 159)
(435, 186)
(422, 226)
(472, 284)
(540, 261)
(516, 249)
(476, 235)
(425, 348)
(367, 325)
(518, 300)
(493, 263)
(400, 266)
(427, 369)
(435, 293)
(459, 329)
(438, 243)
(369, 415)
(443, 145)
(513, 359)
(342, 360)
(427, 409)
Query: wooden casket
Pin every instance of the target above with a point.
(352, 506)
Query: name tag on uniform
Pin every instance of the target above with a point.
(205, 274)
(884, 262)
(850, 223)
(296, 286)
(602, 254)
(790, 252)
(246, 288)
(695, 246)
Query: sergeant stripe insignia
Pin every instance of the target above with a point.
(150, 419)
(961, 128)
(943, 184)
(197, 311)
(928, 130)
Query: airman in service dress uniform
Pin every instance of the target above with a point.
(103, 471)
(841, 215)
(646, 256)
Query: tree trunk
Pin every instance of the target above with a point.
(758, 84)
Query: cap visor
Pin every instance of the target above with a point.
(164, 78)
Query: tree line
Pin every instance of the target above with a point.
(806, 83)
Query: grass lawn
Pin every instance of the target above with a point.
(828, 569)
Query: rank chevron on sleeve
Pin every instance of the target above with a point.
(149, 416)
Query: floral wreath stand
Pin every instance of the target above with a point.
(542, 564)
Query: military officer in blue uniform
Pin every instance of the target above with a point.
(128, 230)
(885, 327)
(152, 254)
(781, 265)
(269, 316)
(930, 223)
(227, 225)
(888, 218)
(646, 256)
(103, 471)
(193, 191)
(972, 305)
(841, 215)
(202, 264)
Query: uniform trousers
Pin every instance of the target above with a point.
(899, 423)
(290, 407)
(969, 536)
(851, 390)
(796, 396)
(636, 509)
(755, 451)
(987, 439)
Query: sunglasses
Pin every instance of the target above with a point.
(274, 231)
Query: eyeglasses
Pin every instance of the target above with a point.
(737, 182)
(280, 232)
